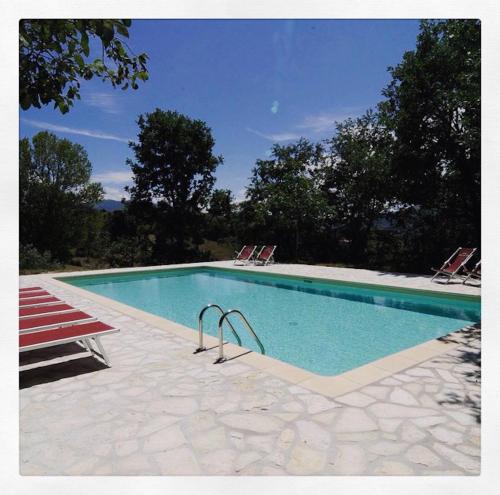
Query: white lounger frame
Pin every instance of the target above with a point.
(86, 339)
(473, 273)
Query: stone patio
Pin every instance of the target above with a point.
(162, 410)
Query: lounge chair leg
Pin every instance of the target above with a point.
(86, 343)
(81, 343)
(102, 351)
(101, 355)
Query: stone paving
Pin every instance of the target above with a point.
(161, 410)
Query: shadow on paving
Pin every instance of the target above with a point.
(55, 371)
(439, 281)
(46, 353)
(471, 357)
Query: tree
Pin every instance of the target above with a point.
(357, 178)
(173, 179)
(286, 205)
(130, 241)
(220, 214)
(57, 198)
(54, 56)
(433, 108)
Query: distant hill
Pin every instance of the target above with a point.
(109, 205)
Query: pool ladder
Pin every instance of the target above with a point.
(225, 318)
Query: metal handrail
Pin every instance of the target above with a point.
(200, 327)
(223, 318)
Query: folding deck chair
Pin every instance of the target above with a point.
(47, 324)
(475, 273)
(266, 255)
(456, 262)
(245, 255)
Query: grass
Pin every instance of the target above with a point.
(219, 251)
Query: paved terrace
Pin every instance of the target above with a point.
(162, 410)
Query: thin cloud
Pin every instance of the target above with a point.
(275, 138)
(115, 193)
(113, 177)
(104, 101)
(114, 182)
(311, 124)
(79, 132)
(323, 122)
(240, 195)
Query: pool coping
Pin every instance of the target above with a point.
(324, 280)
(331, 386)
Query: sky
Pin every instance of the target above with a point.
(254, 82)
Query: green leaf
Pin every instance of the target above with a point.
(108, 33)
(85, 43)
(79, 60)
(67, 41)
(25, 100)
(121, 29)
(62, 105)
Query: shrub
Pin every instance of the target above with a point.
(32, 259)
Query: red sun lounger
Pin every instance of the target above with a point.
(36, 293)
(245, 255)
(41, 310)
(266, 255)
(45, 322)
(85, 333)
(456, 262)
(29, 289)
(39, 301)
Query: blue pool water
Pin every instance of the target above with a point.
(324, 327)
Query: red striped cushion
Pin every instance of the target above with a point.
(37, 300)
(27, 289)
(40, 321)
(37, 293)
(39, 310)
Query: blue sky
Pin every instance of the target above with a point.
(255, 82)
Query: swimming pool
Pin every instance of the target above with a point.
(326, 327)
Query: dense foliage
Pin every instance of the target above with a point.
(433, 107)
(54, 56)
(357, 180)
(173, 178)
(56, 196)
(397, 188)
(285, 204)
